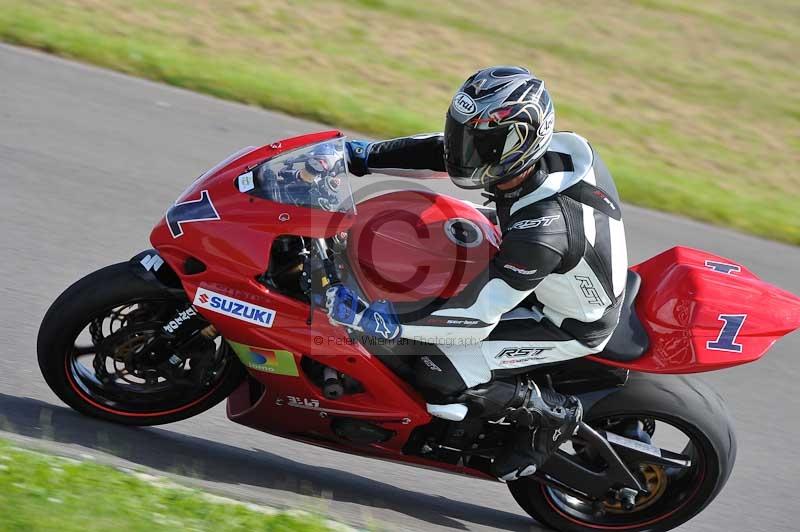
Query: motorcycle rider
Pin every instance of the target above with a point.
(552, 292)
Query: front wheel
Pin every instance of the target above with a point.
(679, 414)
(93, 353)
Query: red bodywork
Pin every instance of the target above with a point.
(687, 295)
(401, 235)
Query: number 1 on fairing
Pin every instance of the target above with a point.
(726, 341)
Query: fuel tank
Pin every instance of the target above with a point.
(412, 245)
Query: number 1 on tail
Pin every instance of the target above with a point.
(726, 341)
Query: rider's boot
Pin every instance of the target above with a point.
(544, 421)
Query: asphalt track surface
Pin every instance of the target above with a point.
(90, 159)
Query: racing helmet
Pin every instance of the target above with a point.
(499, 124)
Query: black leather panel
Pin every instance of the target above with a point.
(629, 340)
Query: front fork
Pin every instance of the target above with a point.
(185, 331)
(322, 263)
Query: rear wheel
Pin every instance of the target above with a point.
(93, 353)
(679, 414)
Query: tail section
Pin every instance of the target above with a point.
(704, 312)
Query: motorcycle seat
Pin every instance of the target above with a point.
(629, 340)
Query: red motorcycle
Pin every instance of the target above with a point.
(228, 305)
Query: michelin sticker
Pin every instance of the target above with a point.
(235, 308)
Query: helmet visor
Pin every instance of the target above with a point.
(469, 151)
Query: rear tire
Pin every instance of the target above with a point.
(71, 313)
(685, 401)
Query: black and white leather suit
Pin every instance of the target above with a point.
(555, 288)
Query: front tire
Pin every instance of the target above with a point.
(77, 310)
(683, 402)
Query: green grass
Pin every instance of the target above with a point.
(693, 105)
(39, 492)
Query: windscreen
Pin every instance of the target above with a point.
(313, 176)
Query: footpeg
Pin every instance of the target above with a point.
(627, 497)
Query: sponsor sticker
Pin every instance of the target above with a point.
(151, 262)
(174, 324)
(275, 361)
(464, 104)
(246, 183)
(298, 402)
(235, 308)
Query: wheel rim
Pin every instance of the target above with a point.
(669, 489)
(104, 365)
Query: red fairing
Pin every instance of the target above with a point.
(238, 243)
(413, 245)
(704, 312)
(233, 240)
